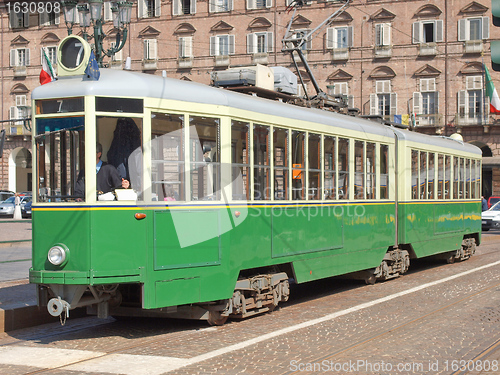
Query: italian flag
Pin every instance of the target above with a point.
(47, 74)
(491, 93)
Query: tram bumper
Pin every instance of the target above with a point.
(64, 298)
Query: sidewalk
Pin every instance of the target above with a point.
(18, 306)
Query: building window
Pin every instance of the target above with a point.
(49, 19)
(339, 37)
(383, 34)
(222, 45)
(186, 46)
(383, 102)
(428, 31)
(19, 111)
(425, 102)
(150, 49)
(341, 88)
(216, 6)
(117, 56)
(19, 20)
(260, 43)
(180, 7)
(51, 53)
(20, 57)
(149, 8)
(477, 28)
(259, 4)
(471, 107)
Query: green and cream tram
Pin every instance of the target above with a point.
(231, 197)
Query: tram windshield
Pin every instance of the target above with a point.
(60, 157)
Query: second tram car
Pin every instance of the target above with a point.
(231, 197)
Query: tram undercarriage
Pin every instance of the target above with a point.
(252, 295)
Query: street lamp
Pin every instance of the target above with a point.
(90, 13)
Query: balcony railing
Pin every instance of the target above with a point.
(20, 71)
(260, 58)
(473, 46)
(429, 120)
(223, 60)
(149, 64)
(185, 62)
(382, 51)
(476, 119)
(427, 49)
(340, 54)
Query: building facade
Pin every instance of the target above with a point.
(407, 61)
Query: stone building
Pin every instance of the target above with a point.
(390, 58)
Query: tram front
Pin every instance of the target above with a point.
(85, 243)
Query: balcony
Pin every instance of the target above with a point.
(340, 54)
(20, 71)
(149, 64)
(116, 64)
(427, 49)
(473, 46)
(223, 60)
(185, 62)
(382, 52)
(470, 119)
(429, 120)
(260, 58)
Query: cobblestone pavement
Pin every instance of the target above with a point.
(417, 324)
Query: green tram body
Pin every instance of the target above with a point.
(307, 239)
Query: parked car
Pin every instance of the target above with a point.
(4, 194)
(26, 210)
(492, 200)
(7, 207)
(491, 218)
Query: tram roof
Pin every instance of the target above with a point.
(120, 83)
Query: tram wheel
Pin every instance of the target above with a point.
(370, 280)
(216, 319)
(451, 258)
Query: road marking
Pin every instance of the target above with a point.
(140, 364)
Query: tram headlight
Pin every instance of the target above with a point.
(58, 254)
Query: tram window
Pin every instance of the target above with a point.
(343, 167)
(298, 170)
(414, 174)
(370, 171)
(478, 179)
(313, 155)
(467, 178)
(423, 175)
(59, 106)
(103, 104)
(121, 140)
(384, 171)
(261, 162)
(359, 170)
(204, 154)
(440, 186)
(456, 178)
(280, 148)
(447, 177)
(473, 178)
(329, 156)
(462, 179)
(60, 157)
(167, 157)
(430, 175)
(240, 160)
